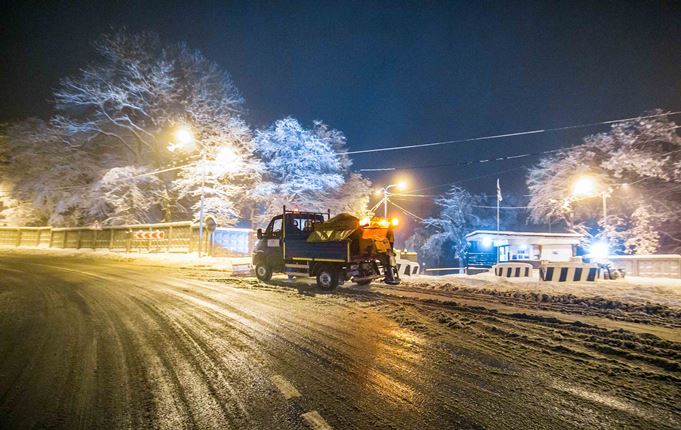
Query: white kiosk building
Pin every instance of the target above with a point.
(488, 247)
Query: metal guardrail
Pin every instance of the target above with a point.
(180, 237)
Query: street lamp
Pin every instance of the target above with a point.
(184, 139)
(402, 185)
(585, 186)
(184, 136)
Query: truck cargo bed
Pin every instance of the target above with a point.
(299, 249)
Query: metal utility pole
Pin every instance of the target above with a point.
(203, 192)
(604, 195)
(385, 202)
(400, 185)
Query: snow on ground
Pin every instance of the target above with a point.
(229, 264)
(660, 291)
(634, 290)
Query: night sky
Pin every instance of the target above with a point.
(389, 73)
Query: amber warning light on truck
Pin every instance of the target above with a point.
(379, 222)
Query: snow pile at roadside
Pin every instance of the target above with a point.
(229, 264)
(634, 290)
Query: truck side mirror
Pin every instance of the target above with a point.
(259, 233)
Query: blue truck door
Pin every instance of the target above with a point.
(273, 242)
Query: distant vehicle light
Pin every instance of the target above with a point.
(384, 223)
(395, 222)
(599, 251)
(365, 221)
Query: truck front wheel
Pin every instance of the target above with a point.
(327, 278)
(263, 272)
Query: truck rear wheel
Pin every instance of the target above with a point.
(327, 278)
(263, 272)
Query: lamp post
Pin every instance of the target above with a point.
(400, 186)
(185, 138)
(586, 187)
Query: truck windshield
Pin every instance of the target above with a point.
(301, 222)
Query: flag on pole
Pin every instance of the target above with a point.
(499, 191)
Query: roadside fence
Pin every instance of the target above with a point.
(171, 237)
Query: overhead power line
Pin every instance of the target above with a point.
(460, 181)
(467, 162)
(121, 179)
(505, 135)
(406, 211)
(503, 207)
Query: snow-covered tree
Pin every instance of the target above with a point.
(443, 236)
(126, 106)
(45, 178)
(124, 196)
(308, 169)
(118, 116)
(637, 164)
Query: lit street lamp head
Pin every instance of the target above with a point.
(584, 187)
(184, 136)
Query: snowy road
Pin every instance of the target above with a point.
(106, 344)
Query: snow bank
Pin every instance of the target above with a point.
(661, 291)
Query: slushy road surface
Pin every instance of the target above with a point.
(92, 343)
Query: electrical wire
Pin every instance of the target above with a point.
(465, 163)
(505, 135)
(470, 179)
(405, 211)
(155, 172)
(503, 207)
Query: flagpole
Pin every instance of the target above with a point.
(498, 200)
(497, 215)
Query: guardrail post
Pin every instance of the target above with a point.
(191, 239)
(51, 237)
(94, 239)
(18, 239)
(79, 238)
(111, 238)
(169, 238)
(128, 244)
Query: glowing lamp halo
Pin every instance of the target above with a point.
(584, 186)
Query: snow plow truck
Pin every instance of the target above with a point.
(333, 250)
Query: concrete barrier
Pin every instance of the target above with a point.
(650, 266)
(513, 270)
(569, 272)
(407, 267)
